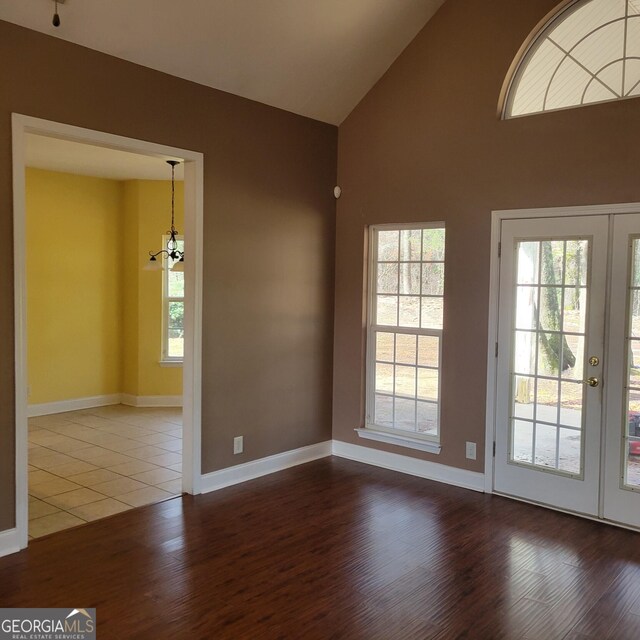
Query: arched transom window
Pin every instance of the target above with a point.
(590, 52)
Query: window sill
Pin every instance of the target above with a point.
(400, 440)
(170, 363)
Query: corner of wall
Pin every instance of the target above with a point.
(130, 276)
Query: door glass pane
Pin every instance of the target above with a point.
(547, 400)
(550, 305)
(522, 445)
(548, 363)
(633, 439)
(573, 350)
(576, 265)
(527, 307)
(631, 459)
(552, 255)
(528, 262)
(546, 446)
(571, 402)
(549, 337)
(574, 309)
(569, 450)
(524, 352)
(524, 389)
(634, 313)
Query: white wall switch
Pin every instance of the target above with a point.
(238, 444)
(471, 450)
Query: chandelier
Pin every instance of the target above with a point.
(171, 252)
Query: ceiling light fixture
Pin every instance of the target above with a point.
(171, 252)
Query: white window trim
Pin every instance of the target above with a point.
(400, 440)
(539, 36)
(170, 364)
(372, 431)
(165, 359)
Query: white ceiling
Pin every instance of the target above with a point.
(101, 162)
(317, 58)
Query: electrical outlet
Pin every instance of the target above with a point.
(238, 445)
(471, 450)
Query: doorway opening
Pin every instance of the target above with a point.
(100, 406)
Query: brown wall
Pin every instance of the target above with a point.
(426, 144)
(268, 238)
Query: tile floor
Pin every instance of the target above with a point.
(85, 465)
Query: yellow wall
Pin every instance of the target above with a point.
(74, 302)
(148, 202)
(130, 276)
(94, 316)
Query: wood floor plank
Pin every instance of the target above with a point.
(336, 549)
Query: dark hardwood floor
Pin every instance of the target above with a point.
(336, 549)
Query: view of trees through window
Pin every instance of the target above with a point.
(406, 328)
(550, 334)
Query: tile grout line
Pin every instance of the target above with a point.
(119, 424)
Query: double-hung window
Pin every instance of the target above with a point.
(173, 310)
(404, 337)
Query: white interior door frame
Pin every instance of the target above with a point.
(497, 217)
(192, 365)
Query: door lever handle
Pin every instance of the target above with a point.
(592, 382)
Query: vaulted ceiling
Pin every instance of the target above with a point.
(317, 58)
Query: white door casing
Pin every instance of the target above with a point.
(192, 364)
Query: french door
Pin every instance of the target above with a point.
(568, 394)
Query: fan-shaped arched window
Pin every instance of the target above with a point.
(589, 52)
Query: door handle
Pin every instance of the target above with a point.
(592, 382)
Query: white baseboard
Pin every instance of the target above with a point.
(9, 542)
(151, 401)
(264, 466)
(47, 408)
(411, 466)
